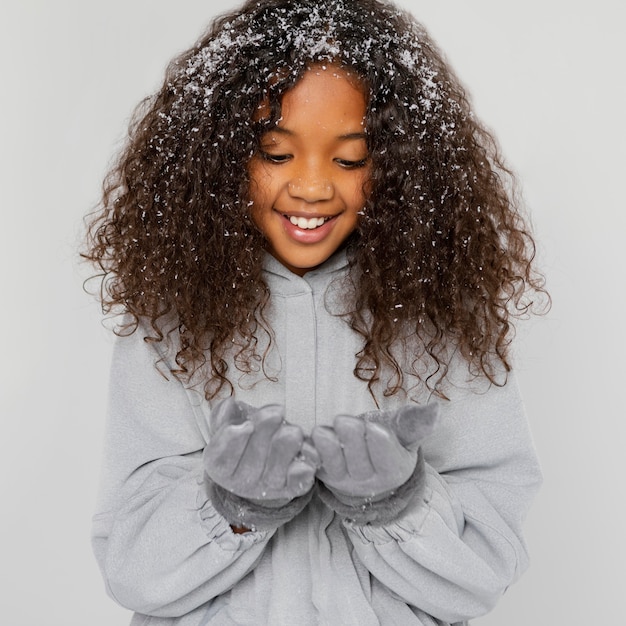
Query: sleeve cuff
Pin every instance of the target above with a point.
(240, 512)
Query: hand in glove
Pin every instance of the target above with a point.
(371, 464)
(261, 469)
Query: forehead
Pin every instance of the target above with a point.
(323, 92)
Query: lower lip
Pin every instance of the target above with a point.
(308, 235)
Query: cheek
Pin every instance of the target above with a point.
(261, 208)
(257, 191)
(258, 214)
(366, 186)
(261, 183)
(255, 196)
(362, 189)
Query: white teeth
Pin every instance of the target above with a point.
(307, 224)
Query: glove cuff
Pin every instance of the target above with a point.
(242, 512)
(379, 512)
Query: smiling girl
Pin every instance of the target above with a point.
(313, 417)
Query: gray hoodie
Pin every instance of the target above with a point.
(166, 554)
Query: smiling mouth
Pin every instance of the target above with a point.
(307, 223)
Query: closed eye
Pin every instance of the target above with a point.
(274, 158)
(351, 165)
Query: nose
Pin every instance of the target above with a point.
(311, 188)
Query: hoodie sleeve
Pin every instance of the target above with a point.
(459, 546)
(162, 548)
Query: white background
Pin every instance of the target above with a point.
(546, 75)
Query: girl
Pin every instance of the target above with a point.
(315, 249)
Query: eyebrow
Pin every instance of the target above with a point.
(350, 136)
(347, 137)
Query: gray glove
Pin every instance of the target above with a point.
(261, 469)
(371, 465)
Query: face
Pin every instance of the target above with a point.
(308, 178)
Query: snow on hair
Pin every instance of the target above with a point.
(441, 254)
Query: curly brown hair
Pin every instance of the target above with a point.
(441, 251)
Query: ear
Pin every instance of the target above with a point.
(414, 423)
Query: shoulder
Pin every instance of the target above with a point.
(144, 362)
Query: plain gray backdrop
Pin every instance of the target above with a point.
(547, 76)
